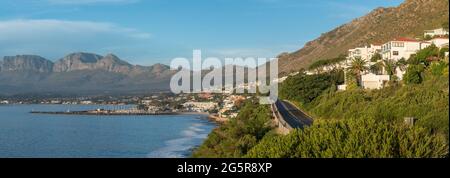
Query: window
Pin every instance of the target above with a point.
(395, 53)
(398, 44)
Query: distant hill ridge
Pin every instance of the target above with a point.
(75, 62)
(79, 73)
(409, 19)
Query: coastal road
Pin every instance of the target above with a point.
(293, 115)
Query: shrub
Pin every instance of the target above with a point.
(353, 138)
(414, 74)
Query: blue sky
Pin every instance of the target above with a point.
(155, 31)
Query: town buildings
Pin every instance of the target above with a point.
(200, 106)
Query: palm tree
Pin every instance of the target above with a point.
(402, 64)
(376, 68)
(357, 66)
(389, 67)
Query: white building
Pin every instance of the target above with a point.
(435, 32)
(440, 42)
(365, 53)
(372, 81)
(401, 48)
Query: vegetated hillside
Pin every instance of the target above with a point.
(409, 19)
(355, 123)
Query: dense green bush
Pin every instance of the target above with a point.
(414, 74)
(353, 138)
(234, 138)
(438, 68)
(426, 55)
(305, 88)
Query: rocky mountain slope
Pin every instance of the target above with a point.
(26, 63)
(409, 19)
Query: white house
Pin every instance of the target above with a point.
(365, 53)
(435, 32)
(372, 81)
(401, 48)
(439, 42)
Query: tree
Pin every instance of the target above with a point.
(351, 81)
(428, 54)
(389, 66)
(357, 66)
(402, 63)
(305, 88)
(376, 68)
(376, 57)
(414, 74)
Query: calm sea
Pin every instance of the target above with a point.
(71, 136)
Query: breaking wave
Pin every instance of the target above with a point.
(182, 147)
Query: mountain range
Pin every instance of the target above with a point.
(409, 19)
(79, 73)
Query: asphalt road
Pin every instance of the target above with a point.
(292, 115)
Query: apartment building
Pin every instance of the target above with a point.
(436, 32)
(365, 53)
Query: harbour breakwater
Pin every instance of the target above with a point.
(211, 117)
(112, 113)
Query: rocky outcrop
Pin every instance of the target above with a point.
(77, 61)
